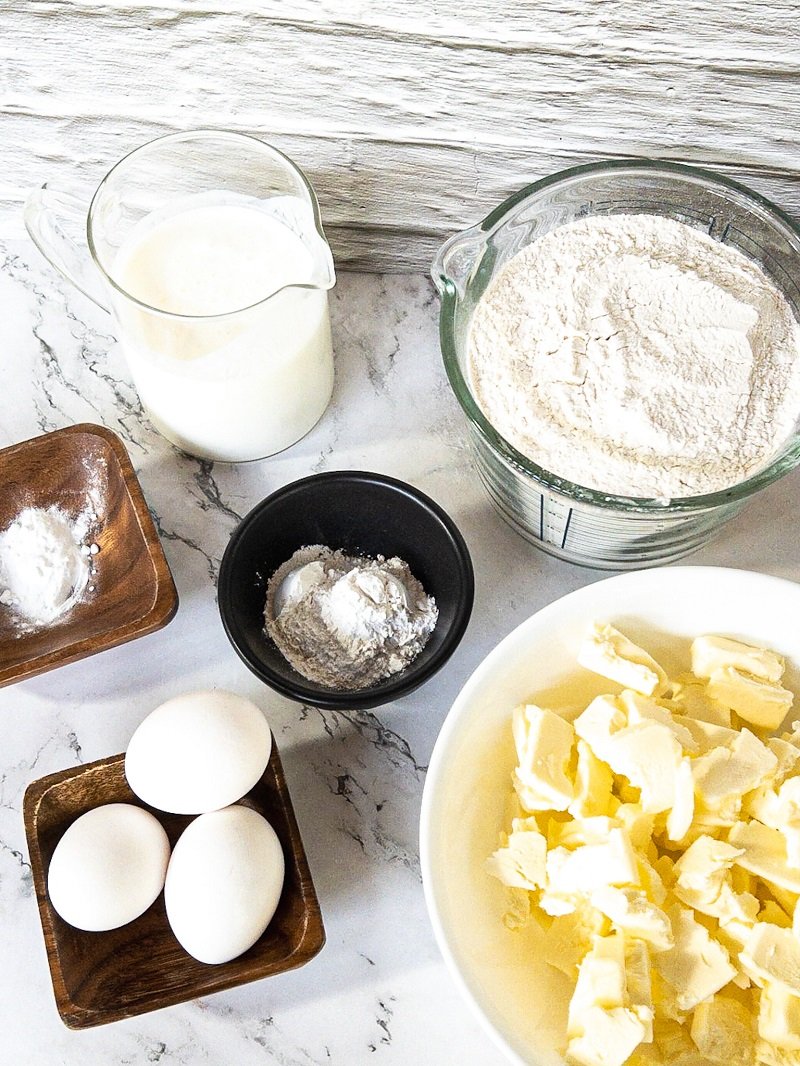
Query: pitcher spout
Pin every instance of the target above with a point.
(324, 274)
(457, 259)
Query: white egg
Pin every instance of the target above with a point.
(198, 752)
(223, 883)
(108, 867)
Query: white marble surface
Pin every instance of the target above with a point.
(379, 991)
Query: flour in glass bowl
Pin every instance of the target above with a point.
(635, 355)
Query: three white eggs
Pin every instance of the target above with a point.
(196, 754)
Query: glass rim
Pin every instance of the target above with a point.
(204, 133)
(786, 460)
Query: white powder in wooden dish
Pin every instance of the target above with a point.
(636, 355)
(45, 564)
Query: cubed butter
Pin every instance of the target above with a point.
(772, 955)
(632, 913)
(544, 742)
(779, 1017)
(582, 871)
(763, 853)
(722, 1030)
(659, 850)
(760, 703)
(711, 653)
(609, 653)
(696, 966)
(725, 774)
(521, 863)
(610, 1038)
(593, 784)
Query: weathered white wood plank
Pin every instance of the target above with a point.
(412, 118)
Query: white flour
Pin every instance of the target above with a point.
(345, 621)
(45, 564)
(635, 355)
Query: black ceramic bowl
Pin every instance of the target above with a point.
(362, 514)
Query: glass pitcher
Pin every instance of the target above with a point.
(207, 249)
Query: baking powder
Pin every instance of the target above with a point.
(346, 621)
(635, 355)
(45, 564)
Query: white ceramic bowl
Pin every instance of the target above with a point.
(522, 1001)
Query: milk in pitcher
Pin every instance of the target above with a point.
(227, 336)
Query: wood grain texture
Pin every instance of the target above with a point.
(133, 590)
(413, 118)
(104, 977)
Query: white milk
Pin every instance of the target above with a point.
(252, 380)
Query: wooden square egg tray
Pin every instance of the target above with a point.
(139, 967)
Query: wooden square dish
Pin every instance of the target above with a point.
(133, 592)
(103, 977)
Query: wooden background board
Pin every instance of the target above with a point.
(413, 118)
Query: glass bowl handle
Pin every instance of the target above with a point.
(44, 210)
(456, 259)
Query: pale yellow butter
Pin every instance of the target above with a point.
(760, 703)
(608, 652)
(710, 653)
(660, 850)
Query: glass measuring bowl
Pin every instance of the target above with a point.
(568, 520)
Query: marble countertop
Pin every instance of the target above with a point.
(379, 991)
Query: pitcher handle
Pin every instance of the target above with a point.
(44, 210)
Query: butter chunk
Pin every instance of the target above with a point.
(649, 756)
(704, 881)
(640, 708)
(652, 877)
(787, 755)
(632, 913)
(610, 1012)
(609, 653)
(637, 823)
(593, 784)
(601, 981)
(675, 1045)
(571, 936)
(610, 1038)
(772, 955)
(582, 871)
(599, 723)
(760, 703)
(781, 810)
(710, 654)
(763, 853)
(543, 740)
(725, 774)
(767, 1055)
(779, 1017)
(708, 735)
(521, 863)
(581, 831)
(722, 1030)
(690, 698)
(679, 819)
(696, 966)
(639, 985)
